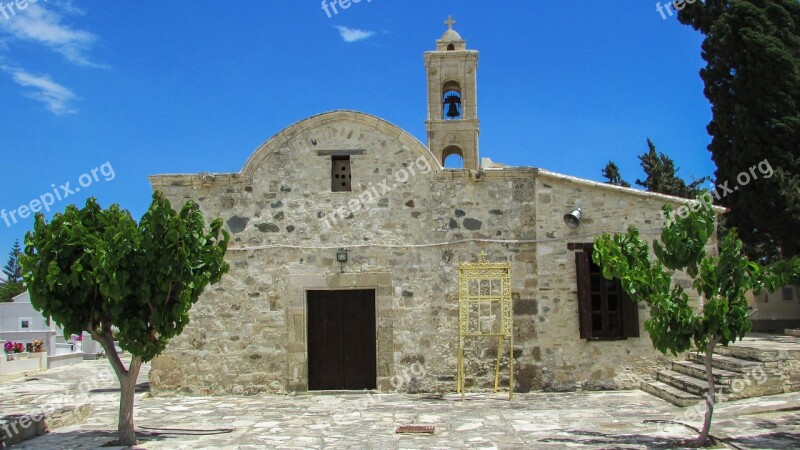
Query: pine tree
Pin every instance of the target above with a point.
(12, 269)
(661, 175)
(612, 175)
(10, 290)
(752, 79)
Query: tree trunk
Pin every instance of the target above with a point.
(127, 382)
(711, 395)
(125, 430)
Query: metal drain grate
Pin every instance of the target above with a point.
(421, 429)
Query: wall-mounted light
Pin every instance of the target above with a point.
(207, 178)
(341, 257)
(478, 174)
(573, 219)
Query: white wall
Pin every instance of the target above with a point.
(773, 309)
(21, 308)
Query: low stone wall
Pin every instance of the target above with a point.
(22, 428)
(64, 360)
(22, 364)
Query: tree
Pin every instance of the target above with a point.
(9, 290)
(721, 282)
(612, 175)
(13, 285)
(12, 269)
(97, 270)
(661, 175)
(752, 79)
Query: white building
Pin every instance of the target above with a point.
(20, 322)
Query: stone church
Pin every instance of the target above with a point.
(347, 235)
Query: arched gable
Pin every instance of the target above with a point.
(324, 121)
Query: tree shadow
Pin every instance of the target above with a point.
(774, 434)
(769, 440)
(86, 438)
(620, 441)
(107, 438)
(140, 388)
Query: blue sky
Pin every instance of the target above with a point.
(153, 87)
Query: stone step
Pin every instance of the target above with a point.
(697, 370)
(686, 383)
(725, 362)
(669, 393)
(792, 332)
(748, 353)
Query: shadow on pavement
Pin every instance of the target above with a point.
(140, 388)
(618, 441)
(91, 439)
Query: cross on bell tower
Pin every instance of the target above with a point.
(453, 125)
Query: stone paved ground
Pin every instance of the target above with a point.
(537, 420)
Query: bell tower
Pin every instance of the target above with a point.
(453, 125)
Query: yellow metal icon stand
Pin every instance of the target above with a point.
(485, 311)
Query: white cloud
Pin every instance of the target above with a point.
(55, 97)
(353, 34)
(44, 26)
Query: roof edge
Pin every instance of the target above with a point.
(637, 192)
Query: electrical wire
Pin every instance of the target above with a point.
(434, 244)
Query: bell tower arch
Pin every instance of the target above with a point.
(453, 124)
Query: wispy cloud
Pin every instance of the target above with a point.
(55, 97)
(41, 25)
(353, 34)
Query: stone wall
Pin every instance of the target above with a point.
(407, 225)
(567, 362)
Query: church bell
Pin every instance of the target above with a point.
(454, 106)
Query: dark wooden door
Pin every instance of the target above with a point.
(341, 340)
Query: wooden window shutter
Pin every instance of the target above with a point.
(630, 315)
(584, 294)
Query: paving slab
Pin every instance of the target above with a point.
(617, 419)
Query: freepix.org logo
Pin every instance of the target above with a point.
(335, 5)
(678, 5)
(9, 9)
(60, 193)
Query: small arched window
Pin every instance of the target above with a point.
(451, 47)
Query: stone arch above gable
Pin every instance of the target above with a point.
(357, 119)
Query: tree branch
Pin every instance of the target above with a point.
(169, 294)
(107, 341)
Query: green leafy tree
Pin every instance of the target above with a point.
(752, 79)
(612, 175)
(12, 269)
(720, 280)
(97, 270)
(10, 290)
(662, 175)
